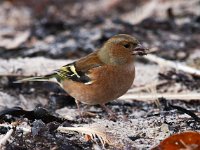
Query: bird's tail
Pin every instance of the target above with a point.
(50, 77)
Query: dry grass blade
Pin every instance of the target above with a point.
(91, 131)
(153, 97)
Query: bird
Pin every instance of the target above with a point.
(101, 76)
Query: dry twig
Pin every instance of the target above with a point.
(5, 138)
(175, 65)
(153, 97)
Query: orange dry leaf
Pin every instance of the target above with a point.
(181, 141)
(87, 137)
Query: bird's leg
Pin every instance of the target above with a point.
(83, 114)
(78, 106)
(111, 114)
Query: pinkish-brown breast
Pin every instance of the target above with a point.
(109, 83)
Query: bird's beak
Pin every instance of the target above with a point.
(140, 50)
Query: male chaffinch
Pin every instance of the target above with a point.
(101, 76)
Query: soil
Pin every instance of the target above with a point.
(40, 36)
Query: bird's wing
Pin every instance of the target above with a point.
(80, 69)
(77, 71)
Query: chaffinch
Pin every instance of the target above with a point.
(101, 76)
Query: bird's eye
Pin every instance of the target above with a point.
(127, 45)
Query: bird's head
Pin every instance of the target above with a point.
(120, 49)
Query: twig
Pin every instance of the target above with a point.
(5, 138)
(188, 112)
(175, 65)
(153, 97)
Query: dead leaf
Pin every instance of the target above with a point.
(90, 132)
(182, 141)
(87, 137)
(14, 41)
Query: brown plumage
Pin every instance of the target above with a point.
(101, 76)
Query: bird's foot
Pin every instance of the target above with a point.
(89, 114)
(112, 116)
